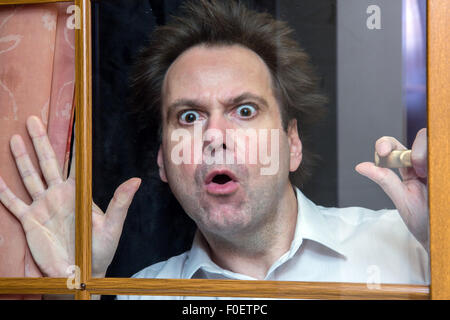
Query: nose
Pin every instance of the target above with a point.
(214, 137)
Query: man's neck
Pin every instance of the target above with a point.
(253, 253)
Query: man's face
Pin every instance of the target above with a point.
(215, 91)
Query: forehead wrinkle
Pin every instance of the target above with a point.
(217, 90)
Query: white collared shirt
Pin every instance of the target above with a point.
(330, 244)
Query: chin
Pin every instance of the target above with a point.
(226, 220)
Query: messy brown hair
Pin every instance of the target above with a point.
(219, 23)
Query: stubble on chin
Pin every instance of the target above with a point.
(220, 213)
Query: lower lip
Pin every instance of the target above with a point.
(222, 189)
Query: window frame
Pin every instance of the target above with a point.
(438, 109)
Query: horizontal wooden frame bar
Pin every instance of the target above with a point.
(254, 289)
(31, 1)
(217, 288)
(35, 286)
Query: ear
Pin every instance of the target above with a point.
(295, 146)
(160, 160)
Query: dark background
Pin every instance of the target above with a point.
(156, 227)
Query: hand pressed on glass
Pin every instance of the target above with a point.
(49, 221)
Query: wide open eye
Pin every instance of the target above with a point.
(246, 111)
(189, 117)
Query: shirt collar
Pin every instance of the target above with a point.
(311, 225)
(198, 258)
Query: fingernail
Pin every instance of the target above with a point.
(137, 182)
(35, 127)
(17, 146)
(2, 184)
(421, 172)
(384, 149)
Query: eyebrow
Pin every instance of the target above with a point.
(247, 96)
(192, 103)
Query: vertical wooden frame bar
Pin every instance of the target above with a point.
(438, 69)
(83, 143)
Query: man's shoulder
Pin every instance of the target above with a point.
(354, 219)
(353, 222)
(357, 215)
(168, 269)
(345, 218)
(352, 225)
(377, 238)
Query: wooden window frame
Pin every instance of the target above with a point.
(438, 78)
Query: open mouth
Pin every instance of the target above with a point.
(221, 182)
(221, 179)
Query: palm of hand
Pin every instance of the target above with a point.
(49, 221)
(49, 225)
(413, 207)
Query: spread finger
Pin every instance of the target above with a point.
(47, 159)
(30, 177)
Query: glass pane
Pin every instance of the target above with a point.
(120, 152)
(382, 92)
(37, 80)
(289, 204)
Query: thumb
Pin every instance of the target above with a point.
(419, 153)
(119, 204)
(387, 180)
